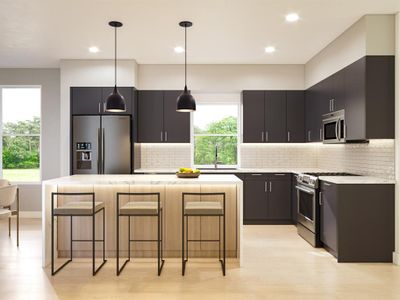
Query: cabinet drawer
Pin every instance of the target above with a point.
(256, 176)
(279, 176)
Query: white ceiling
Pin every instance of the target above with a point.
(38, 33)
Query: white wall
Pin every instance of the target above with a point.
(221, 78)
(371, 35)
(49, 80)
(87, 73)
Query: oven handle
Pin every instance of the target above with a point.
(306, 190)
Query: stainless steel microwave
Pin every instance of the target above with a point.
(334, 127)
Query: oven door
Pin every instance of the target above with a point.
(306, 207)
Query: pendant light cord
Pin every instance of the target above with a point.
(185, 57)
(115, 58)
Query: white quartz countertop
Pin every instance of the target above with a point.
(143, 179)
(238, 170)
(356, 180)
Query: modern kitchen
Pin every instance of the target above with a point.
(230, 150)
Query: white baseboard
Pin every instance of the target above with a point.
(396, 258)
(30, 214)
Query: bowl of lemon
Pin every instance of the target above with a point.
(188, 173)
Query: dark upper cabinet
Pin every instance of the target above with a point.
(126, 92)
(313, 114)
(369, 98)
(336, 87)
(158, 120)
(176, 124)
(275, 116)
(91, 100)
(150, 117)
(253, 117)
(86, 100)
(328, 216)
(265, 116)
(279, 197)
(295, 116)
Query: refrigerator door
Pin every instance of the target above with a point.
(86, 155)
(116, 139)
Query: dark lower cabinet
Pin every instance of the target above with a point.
(267, 198)
(255, 198)
(279, 197)
(357, 221)
(294, 199)
(328, 217)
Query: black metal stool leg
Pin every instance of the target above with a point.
(159, 243)
(93, 244)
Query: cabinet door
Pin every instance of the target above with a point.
(150, 117)
(337, 91)
(253, 117)
(355, 109)
(313, 115)
(279, 198)
(324, 96)
(255, 199)
(295, 116)
(86, 100)
(294, 199)
(126, 92)
(275, 116)
(176, 124)
(328, 215)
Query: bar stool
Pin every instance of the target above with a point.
(205, 209)
(141, 209)
(78, 209)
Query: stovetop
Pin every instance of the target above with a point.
(310, 179)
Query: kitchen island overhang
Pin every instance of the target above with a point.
(170, 188)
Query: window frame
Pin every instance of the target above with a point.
(20, 134)
(237, 135)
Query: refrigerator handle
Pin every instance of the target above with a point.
(98, 151)
(103, 150)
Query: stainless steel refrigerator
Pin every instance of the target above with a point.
(101, 145)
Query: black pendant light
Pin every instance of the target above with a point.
(185, 102)
(115, 101)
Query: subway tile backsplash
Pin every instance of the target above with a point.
(158, 156)
(375, 158)
(278, 155)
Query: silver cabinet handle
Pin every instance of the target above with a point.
(99, 107)
(288, 136)
(320, 198)
(265, 187)
(330, 105)
(266, 136)
(256, 174)
(262, 136)
(327, 184)
(166, 136)
(270, 186)
(104, 106)
(279, 174)
(161, 136)
(309, 135)
(333, 104)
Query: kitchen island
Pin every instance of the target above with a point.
(170, 188)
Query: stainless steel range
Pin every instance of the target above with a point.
(308, 206)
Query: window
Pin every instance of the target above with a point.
(215, 134)
(20, 130)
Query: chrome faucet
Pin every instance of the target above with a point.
(216, 162)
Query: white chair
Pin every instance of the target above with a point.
(8, 194)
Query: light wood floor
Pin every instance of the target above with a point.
(278, 265)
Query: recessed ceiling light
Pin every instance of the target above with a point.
(179, 49)
(94, 49)
(270, 49)
(292, 17)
